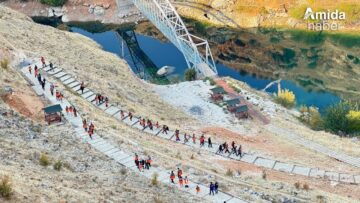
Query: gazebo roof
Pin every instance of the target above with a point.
(233, 102)
(53, 109)
(241, 109)
(217, 90)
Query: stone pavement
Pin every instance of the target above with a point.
(290, 168)
(115, 153)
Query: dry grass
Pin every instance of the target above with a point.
(4, 64)
(6, 190)
(44, 160)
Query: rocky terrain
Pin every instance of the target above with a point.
(90, 177)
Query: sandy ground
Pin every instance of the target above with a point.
(65, 49)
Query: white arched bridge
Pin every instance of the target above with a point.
(164, 16)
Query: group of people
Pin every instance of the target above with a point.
(187, 137)
(71, 110)
(148, 123)
(224, 148)
(100, 99)
(89, 129)
(142, 164)
(182, 181)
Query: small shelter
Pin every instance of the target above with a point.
(242, 111)
(217, 93)
(53, 113)
(232, 104)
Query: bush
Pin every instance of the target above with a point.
(312, 117)
(297, 185)
(354, 120)
(211, 80)
(44, 160)
(229, 173)
(154, 180)
(6, 187)
(306, 187)
(4, 64)
(342, 118)
(53, 2)
(190, 74)
(264, 175)
(286, 98)
(58, 165)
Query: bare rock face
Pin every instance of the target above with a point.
(222, 4)
(106, 6)
(99, 11)
(55, 12)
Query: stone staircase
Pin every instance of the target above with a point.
(106, 147)
(114, 111)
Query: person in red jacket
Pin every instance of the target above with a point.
(172, 177)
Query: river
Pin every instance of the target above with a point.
(165, 53)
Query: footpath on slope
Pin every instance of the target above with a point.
(116, 153)
(354, 161)
(115, 112)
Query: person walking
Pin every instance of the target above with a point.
(197, 189)
(52, 87)
(209, 142)
(212, 188)
(177, 132)
(202, 140)
(181, 181)
(30, 69)
(82, 87)
(84, 124)
(194, 138)
(43, 62)
(75, 112)
(239, 152)
(179, 173)
(186, 182)
(216, 187)
(172, 176)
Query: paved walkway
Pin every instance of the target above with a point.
(111, 150)
(354, 161)
(114, 111)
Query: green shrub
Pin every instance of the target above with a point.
(190, 74)
(44, 160)
(57, 165)
(53, 2)
(4, 64)
(154, 180)
(6, 187)
(211, 80)
(229, 173)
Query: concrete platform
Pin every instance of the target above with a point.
(155, 131)
(103, 106)
(167, 136)
(87, 94)
(91, 98)
(38, 90)
(301, 170)
(73, 84)
(66, 77)
(130, 122)
(317, 173)
(332, 176)
(119, 155)
(267, 163)
(284, 167)
(60, 74)
(54, 71)
(219, 197)
(347, 178)
(112, 110)
(81, 93)
(248, 158)
(68, 81)
(235, 200)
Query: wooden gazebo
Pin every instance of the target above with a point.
(217, 93)
(53, 113)
(242, 111)
(232, 104)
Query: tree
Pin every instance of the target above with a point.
(190, 74)
(354, 120)
(286, 98)
(53, 2)
(335, 117)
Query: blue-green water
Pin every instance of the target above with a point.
(165, 53)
